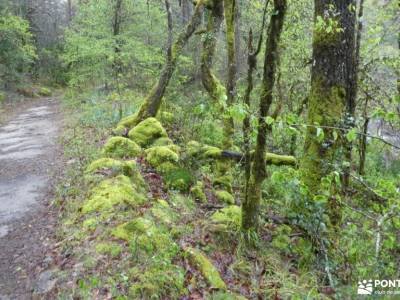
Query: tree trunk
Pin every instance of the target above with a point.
(250, 207)
(153, 100)
(332, 52)
(352, 41)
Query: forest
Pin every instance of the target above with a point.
(199, 149)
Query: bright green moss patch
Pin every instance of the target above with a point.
(227, 219)
(164, 141)
(125, 123)
(224, 182)
(45, 92)
(225, 197)
(194, 148)
(160, 281)
(147, 131)
(111, 192)
(162, 158)
(127, 168)
(112, 249)
(197, 191)
(206, 268)
(120, 147)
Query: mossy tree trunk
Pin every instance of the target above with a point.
(250, 207)
(252, 65)
(222, 96)
(352, 41)
(153, 100)
(331, 65)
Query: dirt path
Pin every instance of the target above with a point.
(28, 168)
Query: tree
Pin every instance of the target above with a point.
(17, 52)
(250, 207)
(332, 66)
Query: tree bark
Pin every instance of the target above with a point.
(250, 207)
(352, 41)
(332, 56)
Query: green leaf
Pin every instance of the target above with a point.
(351, 135)
(269, 120)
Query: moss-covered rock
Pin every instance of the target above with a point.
(227, 219)
(112, 192)
(147, 131)
(159, 155)
(206, 268)
(225, 197)
(224, 182)
(194, 148)
(120, 147)
(197, 192)
(114, 166)
(127, 231)
(164, 141)
(45, 92)
(125, 124)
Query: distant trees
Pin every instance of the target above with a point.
(17, 51)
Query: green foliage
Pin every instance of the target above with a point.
(17, 52)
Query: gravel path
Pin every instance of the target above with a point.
(29, 164)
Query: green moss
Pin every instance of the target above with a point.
(206, 268)
(120, 147)
(90, 224)
(224, 182)
(166, 117)
(197, 192)
(45, 92)
(162, 212)
(159, 281)
(125, 123)
(112, 249)
(126, 231)
(164, 141)
(159, 155)
(167, 167)
(127, 168)
(194, 148)
(225, 197)
(227, 219)
(111, 192)
(277, 160)
(147, 131)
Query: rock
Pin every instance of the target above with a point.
(120, 147)
(147, 131)
(206, 268)
(46, 282)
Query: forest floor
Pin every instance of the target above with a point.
(29, 167)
